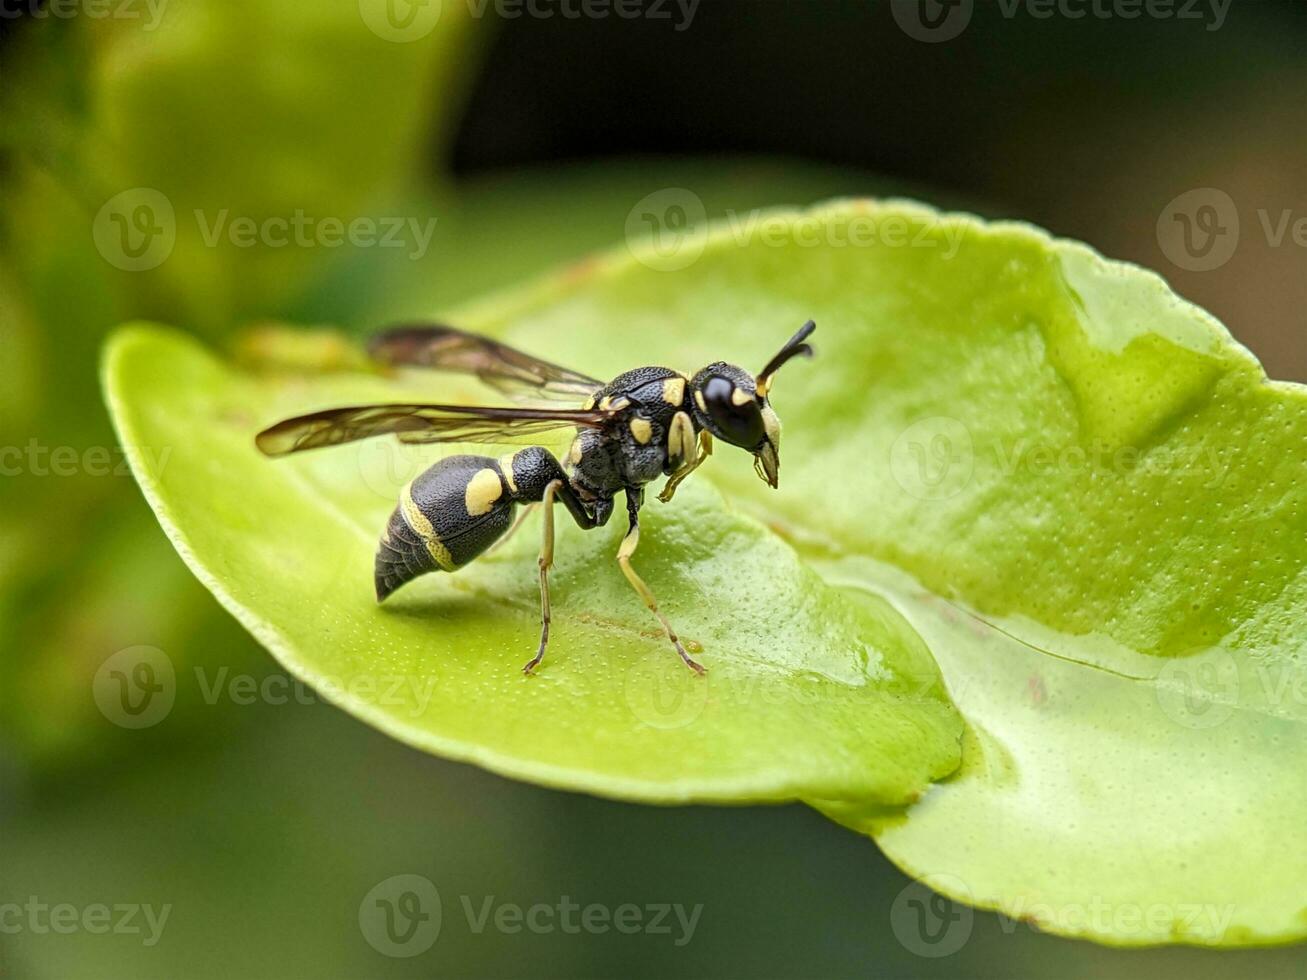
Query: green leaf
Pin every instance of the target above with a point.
(1083, 494)
(811, 690)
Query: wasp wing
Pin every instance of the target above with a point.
(419, 423)
(504, 368)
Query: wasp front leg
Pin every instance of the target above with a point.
(680, 447)
(624, 553)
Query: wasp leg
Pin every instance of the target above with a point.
(624, 553)
(517, 524)
(674, 481)
(546, 560)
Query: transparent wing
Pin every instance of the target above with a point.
(419, 423)
(504, 368)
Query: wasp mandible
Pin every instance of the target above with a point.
(645, 423)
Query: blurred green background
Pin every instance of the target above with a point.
(529, 136)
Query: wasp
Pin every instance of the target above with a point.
(644, 424)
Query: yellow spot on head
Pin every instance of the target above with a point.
(506, 464)
(674, 391)
(698, 400)
(482, 491)
(642, 430)
(740, 397)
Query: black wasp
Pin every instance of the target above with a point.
(643, 424)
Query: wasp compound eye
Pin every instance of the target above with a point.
(734, 411)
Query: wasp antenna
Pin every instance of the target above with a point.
(793, 348)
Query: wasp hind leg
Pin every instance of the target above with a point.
(624, 553)
(546, 560)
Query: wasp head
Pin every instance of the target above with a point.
(733, 406)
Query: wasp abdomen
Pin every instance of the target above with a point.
(446, 517)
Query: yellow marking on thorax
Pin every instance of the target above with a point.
(610, 404)
(506, 464)
(674, 391)
(642, 430)
(482, 491)
(575, 453)
(422, 527)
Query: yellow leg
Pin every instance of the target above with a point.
(546, 560)
(674, 481)
(624, 553)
